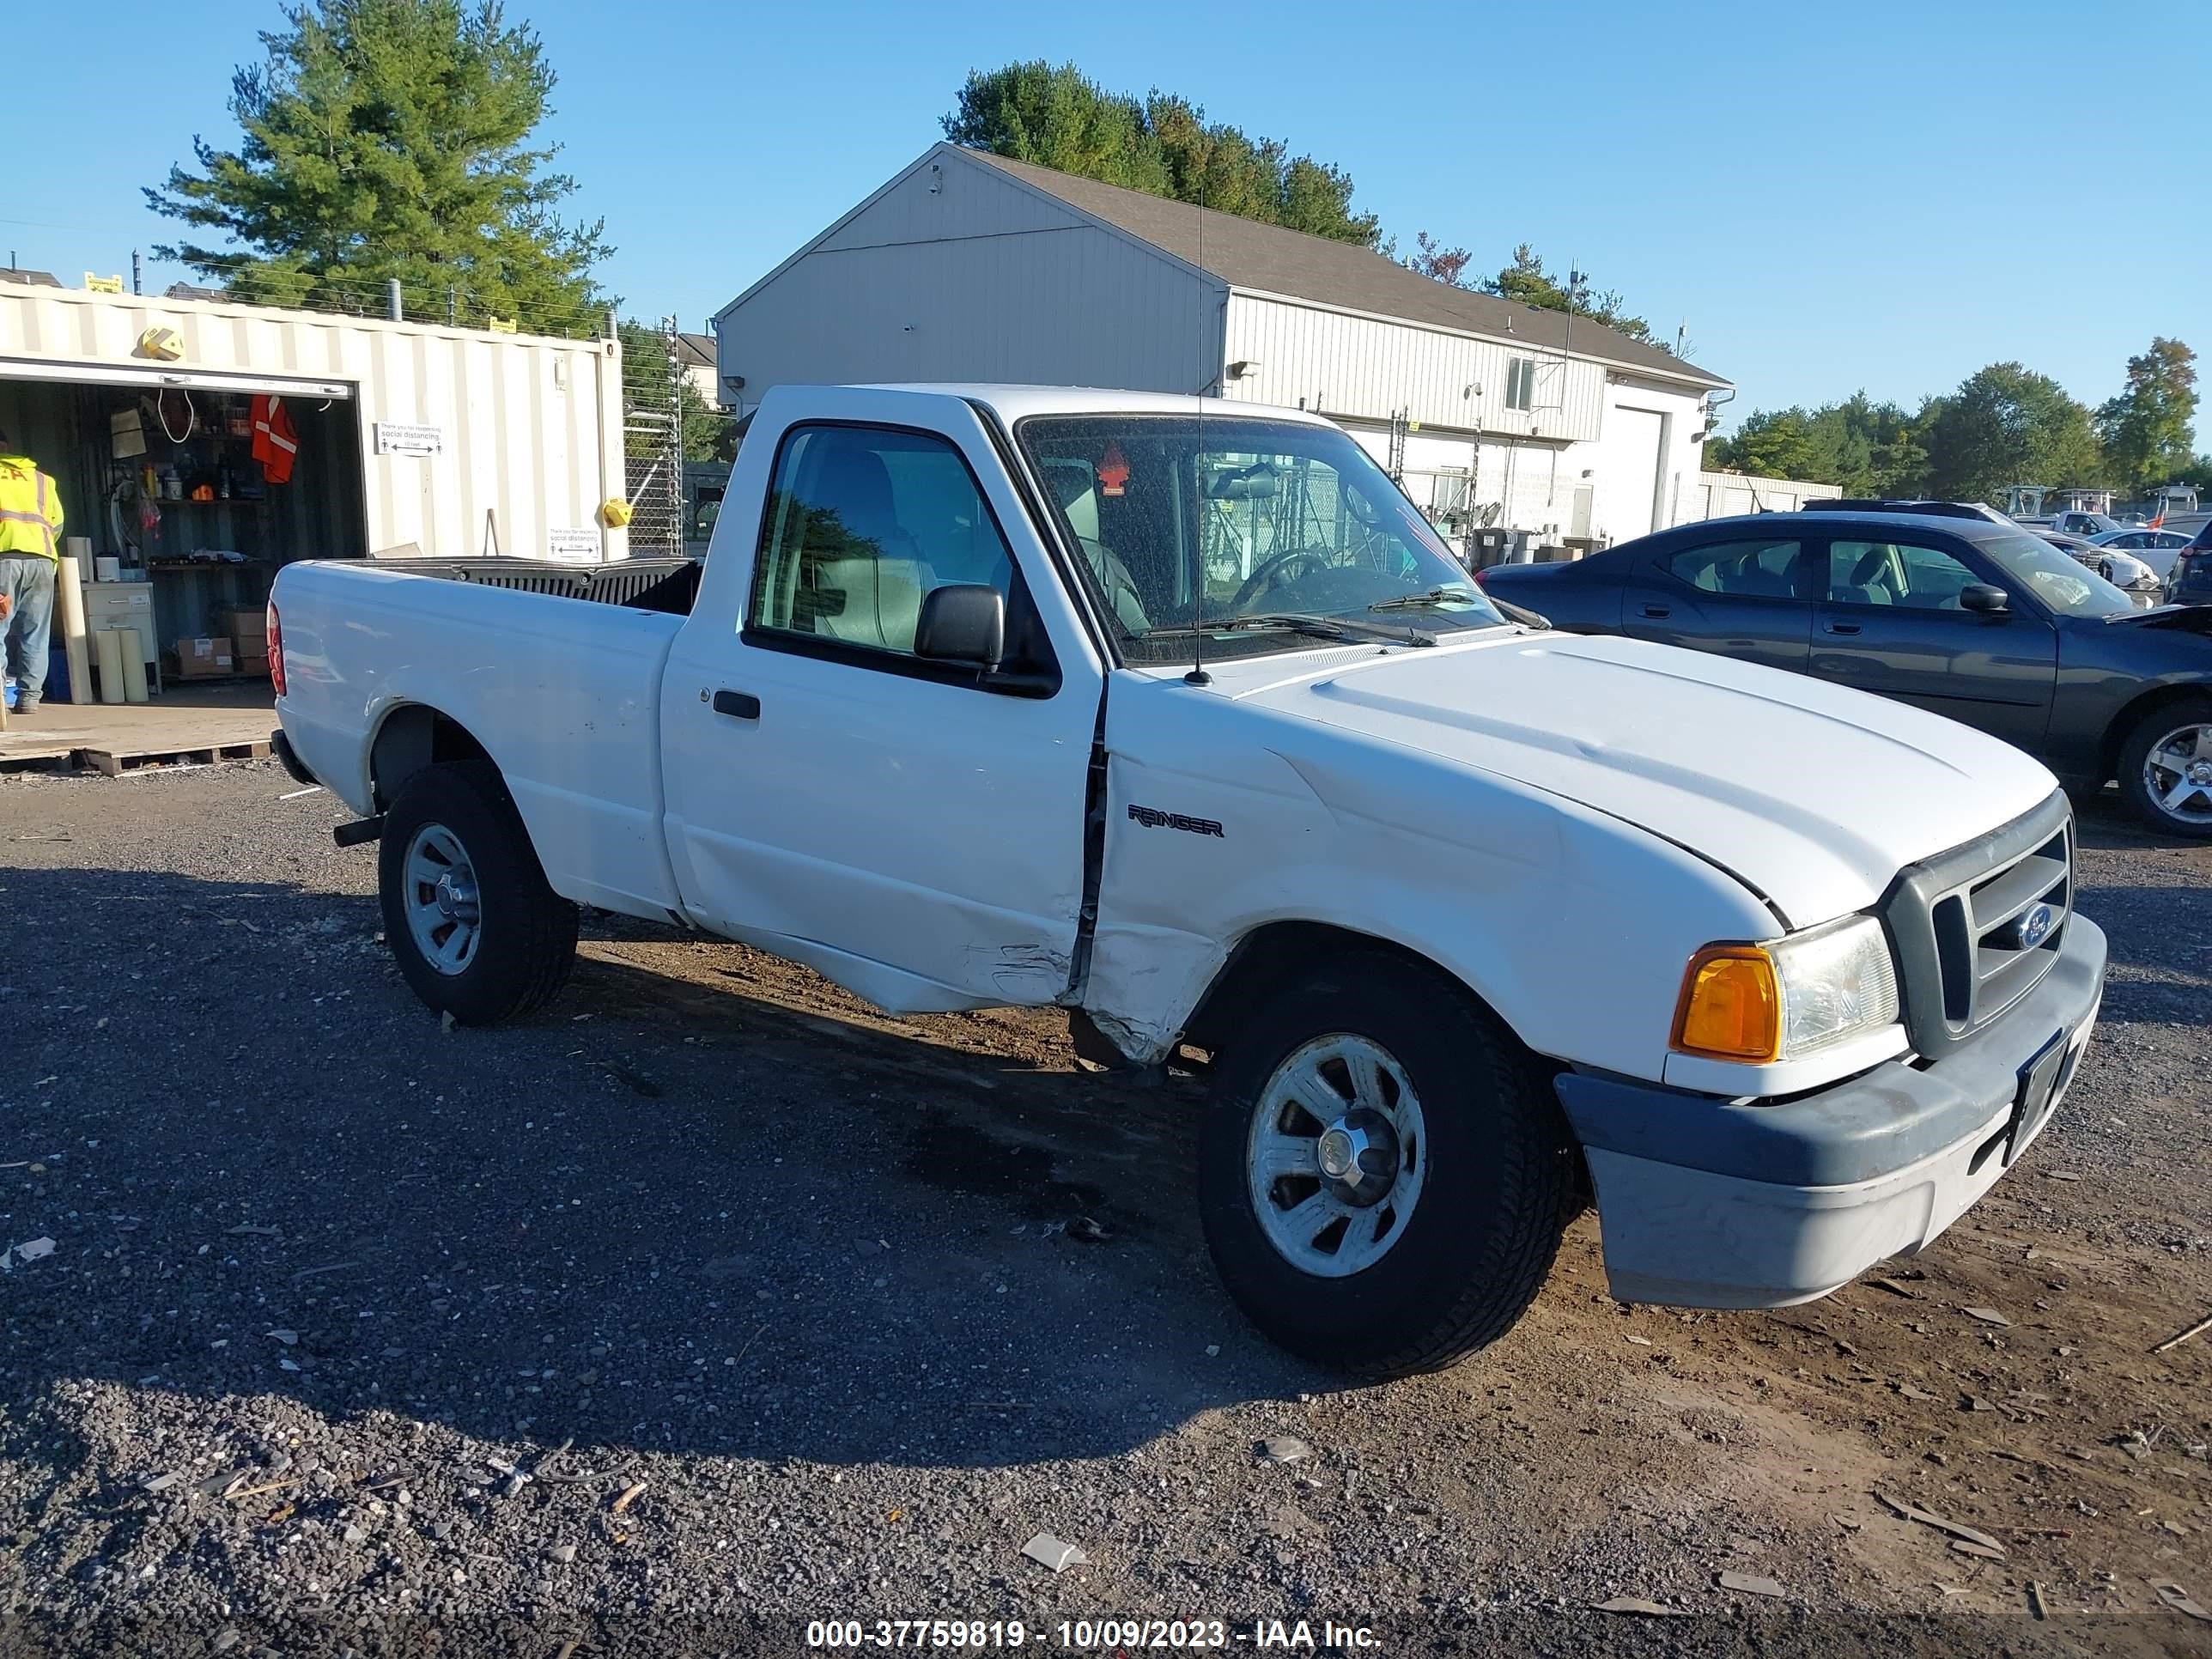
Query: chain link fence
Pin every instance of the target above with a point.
(652, 440)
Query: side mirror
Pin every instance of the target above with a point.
(962, 622)
(1985, 599)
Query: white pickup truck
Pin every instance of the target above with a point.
(1179, 716)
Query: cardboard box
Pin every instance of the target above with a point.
(204, 658)
(248, 629)
(255, 663)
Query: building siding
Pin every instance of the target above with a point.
(982, 279)
(1364, 369)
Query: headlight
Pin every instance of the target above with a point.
(1783, 1000)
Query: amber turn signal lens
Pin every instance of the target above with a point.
(1731, 1006)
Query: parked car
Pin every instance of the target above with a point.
(2155, 548)
(2130, 575)
(2075, 522)
(966, 707)
(1987, 623)
(2191, 581)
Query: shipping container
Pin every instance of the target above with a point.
(457, 442)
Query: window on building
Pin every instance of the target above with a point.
(1521, 383)
(862, 524)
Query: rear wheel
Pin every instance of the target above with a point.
(1383, 1170)
(476, 930)
(2165, 768)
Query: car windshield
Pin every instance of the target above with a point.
(1263, 534)
(2061, 582)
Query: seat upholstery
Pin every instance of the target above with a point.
(1073, 486)
(868, 583)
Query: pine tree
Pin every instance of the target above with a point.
(391, 138)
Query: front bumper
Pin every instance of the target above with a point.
(1706, 1204)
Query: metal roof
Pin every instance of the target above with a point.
(1270, 259)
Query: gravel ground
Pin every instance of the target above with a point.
(711, 1303)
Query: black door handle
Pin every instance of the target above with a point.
(1839, 628)
(1658, 610)
(742, 704)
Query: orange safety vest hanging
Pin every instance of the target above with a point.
(275, 442)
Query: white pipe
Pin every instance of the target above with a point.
(75, 647)
(107, 642)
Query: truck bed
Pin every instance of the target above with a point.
(565, 698)
(666, 585)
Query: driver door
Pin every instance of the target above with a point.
(913, 830)
(1891, 623)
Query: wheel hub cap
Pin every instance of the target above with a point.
(2176, 774)
(444, 906)
(1359, 1155)
(1337, 1156)
(457, 898)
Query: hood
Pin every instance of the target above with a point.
(2180, 618)
(1813, 795)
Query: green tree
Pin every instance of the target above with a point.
(2007, 424)
(1525, 280)
(1771, 444)
(1862, 448)
(2148, 430)
(1163, 145)
(383, 139)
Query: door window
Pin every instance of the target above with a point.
(1904, 574)
(1753, 569)
(862, 524)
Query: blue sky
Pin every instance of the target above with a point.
(1828, 197)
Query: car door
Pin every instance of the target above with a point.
(913, 830)
(1891, 623)
(1741, 597)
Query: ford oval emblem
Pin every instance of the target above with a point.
(2034, 926)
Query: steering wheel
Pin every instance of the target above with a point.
(1263, 578)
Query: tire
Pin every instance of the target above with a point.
(1495, 1177)
(523, 941)
(2193, 818)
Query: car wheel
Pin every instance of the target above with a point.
(2165, 768)
(1383, 1170)
(476, 930)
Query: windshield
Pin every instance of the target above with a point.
(1296, 532)
(2064, 583)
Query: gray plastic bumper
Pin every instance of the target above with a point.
(1704, 1203)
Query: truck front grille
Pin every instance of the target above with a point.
(1977, 927)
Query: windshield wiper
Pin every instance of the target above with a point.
(1303, 621)
(1417, 601)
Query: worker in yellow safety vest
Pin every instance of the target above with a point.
(30, 553)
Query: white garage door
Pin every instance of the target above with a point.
(1628, 471)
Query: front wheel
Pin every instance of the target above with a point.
(2165, 768)
(476, 930)
(1383, 1170)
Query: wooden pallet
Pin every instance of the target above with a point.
(116, 761)
(38, 757)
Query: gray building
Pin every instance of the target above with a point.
(970, 267)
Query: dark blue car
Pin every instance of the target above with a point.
(2190, 581)
(1979, 621)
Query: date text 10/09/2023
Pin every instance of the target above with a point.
(1095, 1635)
